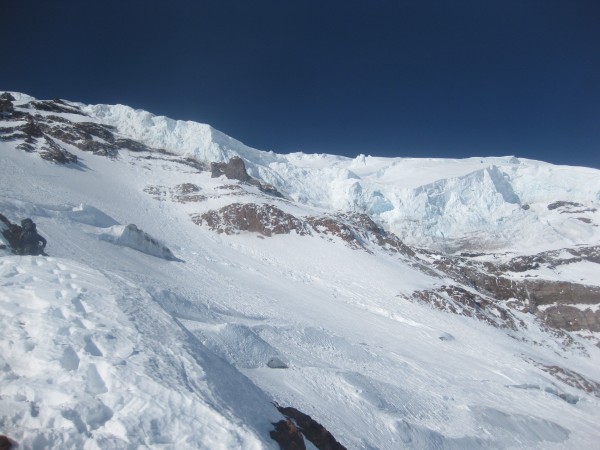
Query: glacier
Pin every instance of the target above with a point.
(443, 204)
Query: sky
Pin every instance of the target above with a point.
(448, 79)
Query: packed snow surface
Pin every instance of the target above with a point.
(117, 346)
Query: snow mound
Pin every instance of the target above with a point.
(89, 215)
(131, 236)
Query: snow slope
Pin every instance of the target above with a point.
(107, 346)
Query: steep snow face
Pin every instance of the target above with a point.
(449, 205)
(186, 138)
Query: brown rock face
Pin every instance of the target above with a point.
(264, 219)
(312, 430)
(552, 301)
(5, 443)
(571, 318)
(357, 230)
(287, 436)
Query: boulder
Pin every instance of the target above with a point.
(287, 436)
(235, 169)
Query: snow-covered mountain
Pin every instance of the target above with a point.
(196, 288)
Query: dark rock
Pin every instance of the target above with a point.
(570, 207)
(187, 188)
(32, 128)
(545, 292)
(10, 231)
(287, 436)
(316, 433)
(199, 166)
(187, 193)
(131, 145)
(560, 204)
(571, 318)
(86, 136)
(267, 189)
(57, 106)
(6, 104)
(235, 169)
(182, 193)
(5, 443)
(51, 151)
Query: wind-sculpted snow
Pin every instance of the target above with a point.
(77, 372)
(91, 216)
(131, 236)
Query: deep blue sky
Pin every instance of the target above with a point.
(449, 78)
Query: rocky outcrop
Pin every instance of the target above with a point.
(10, 232)
(51, 151)
(235, 169)
(571, 318)
(5, 443)
(458, 300)
(6, 104)
(358, 231)
(265, 219)
(182, 193)
(570, 377)
(48, 133)
(562, 305)
(565, 207)
(312, 430)
(57, 106)
(287, 435)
